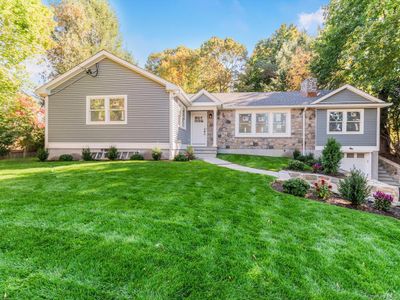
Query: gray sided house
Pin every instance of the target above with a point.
(106, 101)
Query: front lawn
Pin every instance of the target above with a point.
(157, 230)
(271, 163)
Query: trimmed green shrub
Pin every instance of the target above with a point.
(331, 156)
(308, 159)
(112, 153)
(86, 154)
(296, 186)
(42, 154)
(66, 157)
(297, 165)
(354, 187)
(181, 157)
(296, 154)
(190, 153)
(137, 156)
(156, 153)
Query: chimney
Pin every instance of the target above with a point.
(309, 87)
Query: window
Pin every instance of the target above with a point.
(244, 123)
(106, 110)
(262, 123)
(345, 121)
(182, 116)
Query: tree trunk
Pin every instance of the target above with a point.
(384, 127)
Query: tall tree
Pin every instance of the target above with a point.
(84, 27)
(215, 66)
(269, 65)
(360, 45)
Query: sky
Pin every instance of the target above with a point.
(152, 26)
(149, 26)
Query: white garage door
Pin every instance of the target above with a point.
(358, 160)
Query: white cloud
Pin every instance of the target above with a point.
(311, 22)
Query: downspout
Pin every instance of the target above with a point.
(304, 130)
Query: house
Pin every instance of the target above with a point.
(106, 101)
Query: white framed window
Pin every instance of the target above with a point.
(182, 116)
(106, 109)
(345, 121)
(261, 123)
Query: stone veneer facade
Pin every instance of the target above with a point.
(226, 138)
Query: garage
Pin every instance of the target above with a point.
(358, 160)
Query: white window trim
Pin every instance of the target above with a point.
(344, 122)
(107, 110)
(181, 106)
(270, 123)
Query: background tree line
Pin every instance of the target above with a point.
(359, 44)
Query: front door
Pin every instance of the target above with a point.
(199, 128)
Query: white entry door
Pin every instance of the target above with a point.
(199, 128)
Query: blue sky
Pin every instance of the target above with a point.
(152, 26)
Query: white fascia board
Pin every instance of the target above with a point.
(326, 106)
(44, 89)
(207, 94)
(352, 89)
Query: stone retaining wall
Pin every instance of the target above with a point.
(391, 167)
(334, 181)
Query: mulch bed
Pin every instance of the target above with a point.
(335, 199)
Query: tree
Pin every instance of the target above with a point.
(25, 31)
(180, 66)
(360, 45)
(215, 66)
(83, 28)
(271, 66)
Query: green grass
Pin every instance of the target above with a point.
(158, 230)
(271, 163)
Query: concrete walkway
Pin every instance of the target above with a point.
(226, 164)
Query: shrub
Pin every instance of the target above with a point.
(156, 153)
(297, 165)
(383, 201)
(296, 154)
(308, 159)
(42, 154)
(181, 157)
(66, 157)
(112, 153)
(331, 156)
(354, 187)
(322, 189)
(137, 156)
(296, 186)
(190, 153)
(317, 167)
(87, 154)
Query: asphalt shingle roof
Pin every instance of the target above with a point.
(268, 98)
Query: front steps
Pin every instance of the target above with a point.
(385, 177)
(205, 152)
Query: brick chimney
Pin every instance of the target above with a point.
(309, 87)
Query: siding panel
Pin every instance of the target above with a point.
(148, 108)
(366, 139)
(203, 99)
(347, 97)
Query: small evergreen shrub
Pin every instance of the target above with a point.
(137, 156)
(156, 153)
(190, 153)
(86, 154)
(354, 187)
(296, 154)
(181, 157)
(296, 165)
(112, 153)
(308, 159)
(42, 154)
(322, 189)
(296, 186)
(383, 201)
(66, 157)
(331, 156)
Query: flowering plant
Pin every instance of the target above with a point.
(322, 189)
(383, 201)
(317, 167)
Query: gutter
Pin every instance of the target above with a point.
(304, 131)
